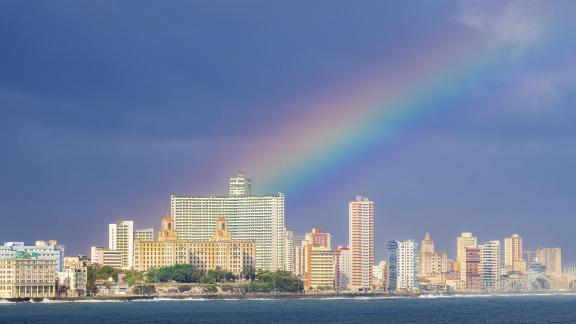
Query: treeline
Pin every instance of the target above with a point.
(249, 280)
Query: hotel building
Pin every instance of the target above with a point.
(251, 217)
(220, 251)
(121, 238)
(361, 243)
(490, 265)
(28, 275)
(43, 249)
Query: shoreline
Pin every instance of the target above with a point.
(261, 296)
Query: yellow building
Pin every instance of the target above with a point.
(221, 251)
(28, 275)
(321, 267)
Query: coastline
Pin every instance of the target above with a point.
(267, 296)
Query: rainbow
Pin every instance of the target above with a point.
(330, 136)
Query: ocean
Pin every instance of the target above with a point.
(455, 309)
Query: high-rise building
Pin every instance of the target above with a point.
(289, 262)
(251, 217)
(121, 238)
(464, 241)
(426, 256)
(361, 243)
(317, 255)
(240, 185)
(490, 265)
(342, 268)
(320, 273)
(403, 259)
(513, 259)
(471, 265)
(220, 251)
(299, 261)
(551, 258)
(144, 234)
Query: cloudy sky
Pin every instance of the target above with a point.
(450, 115)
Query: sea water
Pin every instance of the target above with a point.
(456, 309)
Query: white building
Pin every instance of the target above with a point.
(250, 217)
(144, 234)
(289, 262)
(403, 265)
(490, 265)
(342, 268)
(42, 249)
(361, 243)
(121, 238)
(105, 257)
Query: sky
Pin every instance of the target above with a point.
(451, 116)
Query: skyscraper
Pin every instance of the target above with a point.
(471, 265)
(250, 217)
(289, 262)
(318, 259)
(513, 260)
(121, 238)
(403, 259)
(490, 264)
(464, 241)
(361, 242)
(426, 256)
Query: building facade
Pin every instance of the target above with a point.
(100, 256)
(121, 238)
(220, 251)
(72, 281)
(361, 243)
(513, 254)
(551, 258)
(43, 249)
(28, 275)
(403, 259)
(320, 275)
(144, 234)
(464, 241)
(251, 217)
(342, 268)
(490, 265)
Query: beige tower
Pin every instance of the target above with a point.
(361, 243)
(513, 260)
(167, 232)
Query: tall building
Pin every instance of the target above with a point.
(43, 249)
(464, 241)
(240, 185)
(318, 259)
(320, 273)
(361, 243)
(251, 217)
(513, 259)
(144, 234)
(121, 238)
(426, 256)
(490, 265)
(551, 258)
(299, 261)
(403, 259)
(471, 265)
(27, 274)
(289, 262)
(342, 268)
(220, 251)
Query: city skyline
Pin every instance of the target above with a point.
(451, 118)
